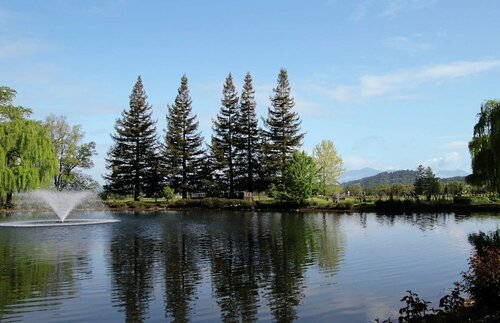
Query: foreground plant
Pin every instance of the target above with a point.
(481, 283)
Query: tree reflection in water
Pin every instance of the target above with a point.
(181, 271)
(228, 266)
(37, 276)
(423, 221)
(132, 257)
(252, 261)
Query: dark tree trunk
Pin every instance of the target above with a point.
(8, 202)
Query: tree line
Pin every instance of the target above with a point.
(425, 183)
(240, 155)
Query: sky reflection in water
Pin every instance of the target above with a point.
(212, 266)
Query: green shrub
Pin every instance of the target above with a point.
(462, 200)
(482, 280)
(116, 204)
(475, 200)
(277, 205)
(213, 203)
(135, 204)
(168, 193)
(481, 241)
(344, 205)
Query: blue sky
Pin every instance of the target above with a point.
(393, 83)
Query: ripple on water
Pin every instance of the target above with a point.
(210, 267)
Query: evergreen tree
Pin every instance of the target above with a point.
(282, 134)
(183, 144)
(426, 182)
(248, 138)
(27, 159)
(211, 177)
(132, 160)
(224, 138)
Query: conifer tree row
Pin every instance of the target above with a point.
(183, 144)
(132, 160)
(248, 139)
(282, 134)
(224, 139)
(241, 157)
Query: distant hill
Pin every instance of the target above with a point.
(453, 179)
(400, 176)
(353, 175)
(451, 173)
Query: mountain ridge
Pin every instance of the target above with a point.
(406, 176)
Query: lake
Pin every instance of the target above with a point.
(211, 266)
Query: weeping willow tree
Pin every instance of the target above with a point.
(26, 157)
(485, 148)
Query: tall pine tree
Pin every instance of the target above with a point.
(132, 160)
(224, 138)
(282, 134)
(247, 138)
(183, 144)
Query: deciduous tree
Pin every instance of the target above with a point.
(485, 147)
(300, 178)
(27, 159)
(329, 163)
(72, 154)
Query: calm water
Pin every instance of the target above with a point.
(216, 266)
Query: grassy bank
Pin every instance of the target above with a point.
(461, 204)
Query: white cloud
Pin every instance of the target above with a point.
(394, 84)
(3, 16)
(406, 44)
(455, 144)
(361, 10)
(309, 108)
(356, 162)
(450, 161)
(7, 16)
(20, 47)
(337, 93)
(388, 8)
(394, 7)
(373, 85)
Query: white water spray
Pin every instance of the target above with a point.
(62, 203)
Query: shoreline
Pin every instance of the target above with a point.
(414, 208)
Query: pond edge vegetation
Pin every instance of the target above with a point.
(474, 299)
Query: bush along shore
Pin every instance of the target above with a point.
(475, 299)
(462, 204)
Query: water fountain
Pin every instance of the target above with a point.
(61, 203)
